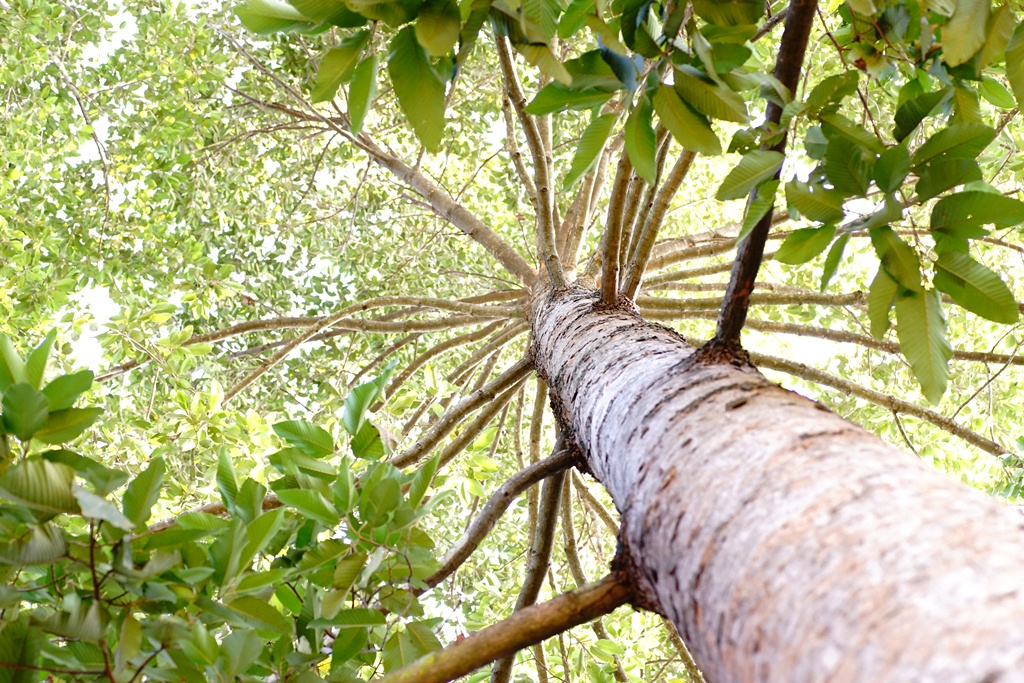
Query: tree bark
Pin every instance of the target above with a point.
(785, 543)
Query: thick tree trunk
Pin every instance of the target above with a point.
(784, 542)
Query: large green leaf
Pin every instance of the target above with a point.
(828, 95)
(891, 168)
(641, 142)
(362, 92)
(729, 12)
(408, 645)
(592, 141)
(99, 508)
(558, 97)
(12, 367)
(307, 437)
(334, 12)
(41, 485)
(754, 168)
(964, 35)
(259, 615)
(1000, 29)
(311, 504)
(832, 261)
(545, 60)
(758, 207)
(921, 329)
(912, 112)
(974, 209)
(959, 141)
(848, 167)
(837, 124)
(35, 364)
(688, 127)
(338, 66)
(708, 96)
(25, 410)
(898, 258)
(20, 644)
(66, 425)
(1015, 64)
(438, 26)
(63, 391)
(419, 89)
(271, 16)
(143, 492)
(995, 92)
(975, 287)
(43, 544)
(359, 400)
(815, 202)
(573, 18)
(942, 174)
(805, 244)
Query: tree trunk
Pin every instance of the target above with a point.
(784, 542)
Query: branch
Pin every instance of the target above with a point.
(478, 424)
(594, 504)
(522, 629)
(454, 416)
(613, 232)
(799, 19)
(546, 238)
(492, 511)
(660, 305)
(878, 398)
(645, 242)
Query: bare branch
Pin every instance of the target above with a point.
(522, 629)
(613, 232)
(492, 511)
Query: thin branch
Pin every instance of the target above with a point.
(453, 417)
(546, 238)
(613, 232)
(659, 305)
(693, 672)
(799, 19)
(652, 224)
(522, 629)
(516, 155)
(473, 430)
(492, 511)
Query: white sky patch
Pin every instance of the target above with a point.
(96, 303)
(124, 30)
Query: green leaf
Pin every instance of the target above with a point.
(367, 444)
(729, 12)
(1015, 64)
(379, 499)
(921, 329)
(1000, 29)
(270, 16)
(996, 93)
(574, 17)
(20, 645)
(708, 96)
(360, 617)
(311, 504)
(362, 92)
(828, 95)
(881, 297)
(964, 35)
(406, 646)
(43, 544)
(959, 141)
(306, 437)
(688, 127)
(815, 202)
(143, 492)
(421, 482)
(359, 400)
(641, 143)
(438, 26)
(333, 12)
(12, 367)
(259, 615)
(35, 366)
(227, 483)
(548, 64)
(25, 410)
(975, 287)
(891, 168)
(754, 168)
(942, 174)
(758, 207)
(41, 485)
(555, 97)
(86, 621)
(66, 425)
(803, 245)
(338, 66)
(863, 7)
(419, 89)
(911, 113)
(848, 167)
(589, 148)
(833, 125)
(974, 209)
(63, 391)
(898, 259)
(832, 261)
(97, 507)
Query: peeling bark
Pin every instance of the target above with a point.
(785, 543)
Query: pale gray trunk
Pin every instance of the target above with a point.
(784, 542)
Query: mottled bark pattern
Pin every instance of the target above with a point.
(784, 542)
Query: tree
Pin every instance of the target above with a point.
(781, 541)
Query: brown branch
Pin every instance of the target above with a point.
(799, 19)
(522, 629)
(652, 224)
(613, 232)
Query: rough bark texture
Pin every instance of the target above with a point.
(785, 543)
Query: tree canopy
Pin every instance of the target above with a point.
(268, 270)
